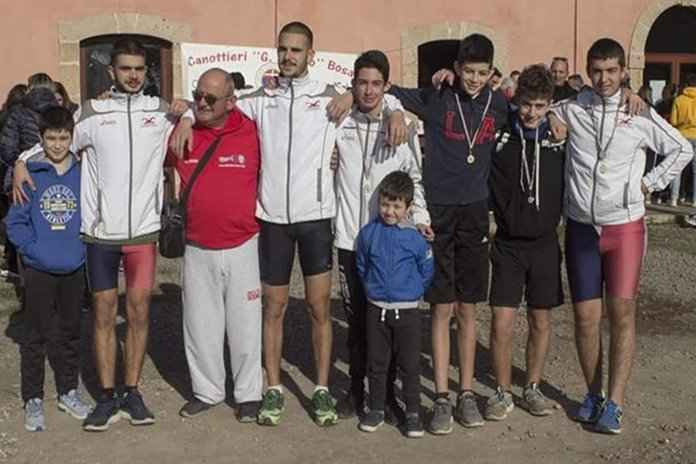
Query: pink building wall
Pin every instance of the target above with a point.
(536, 29)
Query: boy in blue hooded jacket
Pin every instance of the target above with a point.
(395, 264)
(46, 232)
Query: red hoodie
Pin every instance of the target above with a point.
(221, 207)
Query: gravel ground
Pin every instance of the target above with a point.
(660, 412)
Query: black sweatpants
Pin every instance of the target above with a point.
(45, 293)
(355, 306)
(398, 334)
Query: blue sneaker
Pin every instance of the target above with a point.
(590, 409)
(106, 412)
(610, 420)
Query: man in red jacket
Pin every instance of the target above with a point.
(221, 286)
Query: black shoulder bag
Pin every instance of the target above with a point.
(172, 236)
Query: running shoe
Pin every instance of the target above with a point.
(441, 417)
(467, 410)
(610, 419)
(590, 409)
(72, 403)
(34, 415)
(134, 410)
(323, 408)
(271, 408)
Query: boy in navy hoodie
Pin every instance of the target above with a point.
(46, 232)
(395, 264)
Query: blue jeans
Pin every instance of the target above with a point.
(676, 183)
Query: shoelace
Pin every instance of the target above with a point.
(34, 408)
(534, 394)
(73, 399)
(324, 401)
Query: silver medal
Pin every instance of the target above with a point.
(470, 159)
(530, 200)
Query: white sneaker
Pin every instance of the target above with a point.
(34, 415)
(71, 403)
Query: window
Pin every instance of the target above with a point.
(95, 57)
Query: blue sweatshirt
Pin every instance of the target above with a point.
(447, 176)
(395, 264)
(46, 229)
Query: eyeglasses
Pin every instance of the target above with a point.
(209, 99)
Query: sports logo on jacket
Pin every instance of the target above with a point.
(148, 121)
(313, 105)
(58, 205)
(486, 133)
(237, 160)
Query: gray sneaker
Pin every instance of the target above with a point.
(72, 404)
(34, 415)
(441, 417)
(499, 405)
(534, 401)
(467, 411)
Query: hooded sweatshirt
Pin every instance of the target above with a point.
(527, 209)
(46, 229)
(683, 115)
(221, 205)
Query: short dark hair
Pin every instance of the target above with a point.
(372, 59)
(238, 79)
(397, 185)
(56, 118)
(475, 48)
(535, 82)
(297, 27)
(497, 73)
(127, 47)
(691, 80)
(606, 49)
(514, 73)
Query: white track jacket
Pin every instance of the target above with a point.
(365, 158)
(606, 158)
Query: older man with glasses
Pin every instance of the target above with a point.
(221, 288)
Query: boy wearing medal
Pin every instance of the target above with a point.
(526, 185)
(460, 125)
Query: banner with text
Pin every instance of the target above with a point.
(256, 63)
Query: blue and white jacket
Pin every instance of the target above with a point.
(395, 264)
(46, 229)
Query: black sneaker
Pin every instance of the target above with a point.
(133, 409)
(349, 406)
(373, 420)
(194, 407)
(105, 413)
(393, 413)
(247, 412)
(414, 425)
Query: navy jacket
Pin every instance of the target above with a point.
(395, 264)
(447, 176)
(46, 230)
(21, 132)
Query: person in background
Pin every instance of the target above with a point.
(64, 99)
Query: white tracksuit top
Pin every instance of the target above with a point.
(124, 142)
(365, 159)
(297, 138)
(605, 162)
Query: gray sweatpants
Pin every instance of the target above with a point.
(222, 293)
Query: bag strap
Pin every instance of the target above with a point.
(199, 167)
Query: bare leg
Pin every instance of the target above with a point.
(105, 307)
(537, 343)
(137, 311)
(588, 340)
(466, 343)
(502, 328)
(622, 344)
(276, 303)
(317, 294)
(440, 338)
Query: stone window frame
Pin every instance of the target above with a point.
(71, 32)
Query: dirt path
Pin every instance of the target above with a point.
(660, 413)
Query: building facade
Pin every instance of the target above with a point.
(69, 39)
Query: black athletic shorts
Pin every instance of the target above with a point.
(461, 253)
(314, 241)
(536, 271)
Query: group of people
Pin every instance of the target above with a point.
(302, 166)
